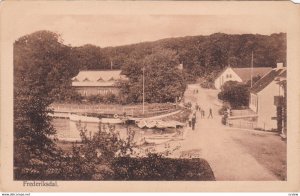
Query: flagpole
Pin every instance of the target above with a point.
(251, 68)
(144, 85)
(143, 90)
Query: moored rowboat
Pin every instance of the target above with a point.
(88, 119)
(74, 117)
(157, 140)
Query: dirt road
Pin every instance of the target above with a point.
(212, 141)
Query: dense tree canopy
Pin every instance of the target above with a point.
(40, 62)
(235, 93)
(202, 56)
(199, 53)
(163, 80)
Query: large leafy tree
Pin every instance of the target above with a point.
(214, 51)
(163, 81)
(235, 93)
(90, 57)
(40, 66)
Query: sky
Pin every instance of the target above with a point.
(114, 30)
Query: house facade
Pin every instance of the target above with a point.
(239, 75)
(102, 82)
(263, 97)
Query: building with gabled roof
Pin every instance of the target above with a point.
(96, 82)
(264, 96)
(239, 74)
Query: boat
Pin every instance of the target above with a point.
(157, 140)
(141, 124)
(74, 117)
(176, 124)
(144, 123)
(151, 124)
(111, 120)
(164, 135)
(88, 119)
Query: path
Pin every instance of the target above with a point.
(228, 159)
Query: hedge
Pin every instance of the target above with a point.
(162, 169)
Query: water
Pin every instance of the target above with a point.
(67, 130)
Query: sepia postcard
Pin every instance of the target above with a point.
(169, 96)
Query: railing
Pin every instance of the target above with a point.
(242, 124)
(241, 112)
(130, 110)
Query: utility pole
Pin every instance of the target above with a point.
(143, 90)
(251, 68)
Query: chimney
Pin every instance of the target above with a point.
(279, 65)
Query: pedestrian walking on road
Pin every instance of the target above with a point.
(190, 121)
(193, 121)
(196, 107)
(210, 113)
(202, 114)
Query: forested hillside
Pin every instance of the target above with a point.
(200, 52)
(201, 56)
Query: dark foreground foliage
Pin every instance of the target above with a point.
(105, 156)
(152, 168)
(155, 168)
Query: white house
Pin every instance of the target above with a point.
(97, 82)
(239, 75)
(263, 96)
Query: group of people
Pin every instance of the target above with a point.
(193, 116)
(202, 112)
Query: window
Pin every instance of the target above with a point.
(86, 80)
(228, 75)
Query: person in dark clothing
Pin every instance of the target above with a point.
(202, 114)
(210, 115)
(190, 121)
(193, 121)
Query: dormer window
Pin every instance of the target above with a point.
(100, 80)
(111, 79)
(75, 80)
(86, 80)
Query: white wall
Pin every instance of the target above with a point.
(227, 75)
(266, 108)
(253, 101)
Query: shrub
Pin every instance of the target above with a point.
(158, 168)
(95, 99)
(110, 98)
(104, 156)
(235, 93)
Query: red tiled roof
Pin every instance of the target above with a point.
(267, 79)
(103, 75)
(97, 78)
(245, 73)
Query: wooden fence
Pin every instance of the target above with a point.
(240, 123)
